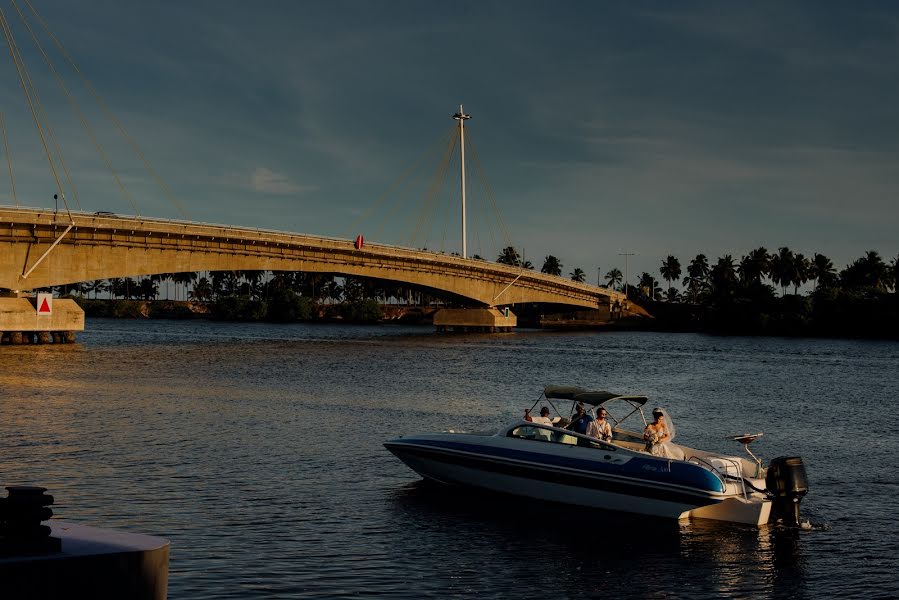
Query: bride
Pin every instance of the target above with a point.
(659, 434)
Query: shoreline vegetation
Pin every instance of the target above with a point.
(728, 297)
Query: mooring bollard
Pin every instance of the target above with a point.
(21, 514)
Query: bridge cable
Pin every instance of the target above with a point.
(439, 206)
(46, 122)
(75, 106)
(12, 177)
(443, 203)
(389, 215)
(483, 212)
(7, 32)
(490, 194)
(420, 215)
(135, 147)
(428, 205)
(441, 141)
(409, 186)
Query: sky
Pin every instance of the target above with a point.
(599, 128)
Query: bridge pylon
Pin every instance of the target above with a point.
(485, 320)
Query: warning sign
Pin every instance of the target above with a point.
(44, 304)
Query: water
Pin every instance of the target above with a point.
(256, 449)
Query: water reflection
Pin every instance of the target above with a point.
(576, 552)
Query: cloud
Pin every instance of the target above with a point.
(267, 181)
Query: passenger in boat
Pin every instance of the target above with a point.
(543, 418)
(600, 428)
(657, 435)
(580, 423)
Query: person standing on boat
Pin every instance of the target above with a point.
(600, 428)
(657, 435)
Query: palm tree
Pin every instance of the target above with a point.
(672, 295)
(252, 279)
(697, 277)
(333, 291)
(184, 279)
(551, 266)
(578, 275)
(509, 256)
(148, 289)
(783, 268)
(115, 286)
(867, 271)
(670, 269)
(614, 278)
(95, 286)
(202, 290)
(723, 277)
(822, 271)
(801, 271)
(754, 266)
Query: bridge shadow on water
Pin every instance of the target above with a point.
(578, 552)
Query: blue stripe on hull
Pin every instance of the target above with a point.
(648, 469)
(595, 480)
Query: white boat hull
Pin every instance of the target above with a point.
(615, 478)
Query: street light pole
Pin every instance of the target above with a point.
(462, 117)
(625, 255)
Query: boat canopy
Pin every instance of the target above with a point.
(564, 392)
(593, 398)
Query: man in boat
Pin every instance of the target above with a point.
(600, 428)
(581, 423)
(544, 417)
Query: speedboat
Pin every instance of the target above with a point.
(543, 459)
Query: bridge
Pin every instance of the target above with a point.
(42, 247)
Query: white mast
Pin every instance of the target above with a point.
(462, 117)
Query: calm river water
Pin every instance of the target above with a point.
(256, 449)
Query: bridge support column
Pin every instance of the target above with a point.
(20, 323)
(483, 320)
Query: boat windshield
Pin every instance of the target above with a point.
(542, 433)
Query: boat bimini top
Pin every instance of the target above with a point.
(594, 399)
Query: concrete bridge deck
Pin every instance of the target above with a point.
(103, 246)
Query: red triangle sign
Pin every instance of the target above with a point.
(45, 307)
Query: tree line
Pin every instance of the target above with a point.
(251, 295)
(783, 268)
(741, 296)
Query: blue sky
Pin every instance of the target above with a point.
(651, 127)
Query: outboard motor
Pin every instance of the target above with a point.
(787, 483)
